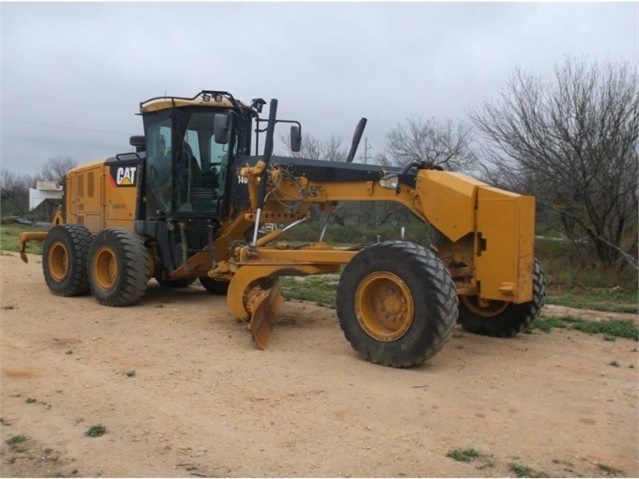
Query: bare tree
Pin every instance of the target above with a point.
(56, 168)
(573, 142)
(330, 148)
(446, 144)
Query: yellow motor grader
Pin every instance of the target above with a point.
(192, 203)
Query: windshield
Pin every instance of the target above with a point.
(202, 166)
(187, 169)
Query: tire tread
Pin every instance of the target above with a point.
(77, 239)
(442, 305)
(133, 264)
(514, 319)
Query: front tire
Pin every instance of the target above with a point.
(397, 304)
(501, 319)
(118, 267)
(64, 260)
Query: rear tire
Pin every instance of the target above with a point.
(214, 286)
(118, 267)
(501, 319)
(64, 260)
(397, 304)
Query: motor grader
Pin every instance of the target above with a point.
(192, 202)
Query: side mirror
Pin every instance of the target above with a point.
(296, 138)
(138, 142)
(221, 128)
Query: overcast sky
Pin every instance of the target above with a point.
(73, 74)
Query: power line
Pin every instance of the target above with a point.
(63, 110)
(43, 140)
(65, 127)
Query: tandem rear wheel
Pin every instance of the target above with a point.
(118, 269)
(64, 259)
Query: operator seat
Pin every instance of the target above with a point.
(204, 184)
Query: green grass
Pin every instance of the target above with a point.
(9, 238)
(616, 299)
(415, 231)
(95, 431)
(569, 270)
(525, 471)
(612, 328)
(463, 455)
(319, 289)
(17, 439)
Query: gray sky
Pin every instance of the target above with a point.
(73, 74)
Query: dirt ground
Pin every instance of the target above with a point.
(181, 391)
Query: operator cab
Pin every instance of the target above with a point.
(192, 147)
(186, 169)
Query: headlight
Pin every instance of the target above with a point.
(390, 181)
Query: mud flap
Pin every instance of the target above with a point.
(263, 306)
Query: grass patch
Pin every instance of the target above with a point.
(615, 300)
(566, 268)
(17, 439)
(320, 289)
(611, 471)
(9, 238)
(365, 233)
(7, 307)
(95, 431)
(612, 328)
(463, 455)
(525, 471)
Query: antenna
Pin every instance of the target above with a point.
(367, 147)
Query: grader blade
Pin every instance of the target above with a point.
(264, 306)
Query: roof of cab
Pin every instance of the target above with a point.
(208, 99)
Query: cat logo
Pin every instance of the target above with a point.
(125, 175)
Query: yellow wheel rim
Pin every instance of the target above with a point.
(105, 268)
(384, 306)
(484, 308)
(58, 261)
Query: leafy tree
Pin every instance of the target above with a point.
(573, 142)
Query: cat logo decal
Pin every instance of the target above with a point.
(124, 175)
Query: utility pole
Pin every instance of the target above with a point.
(366, 148)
